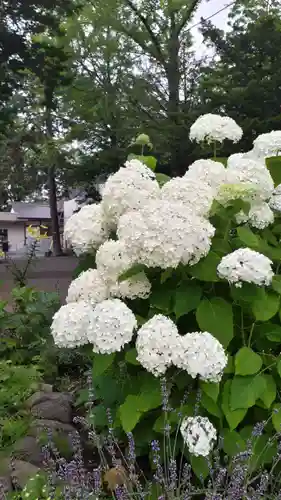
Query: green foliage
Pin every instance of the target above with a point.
(27, 328)
(245, 391)
(101, 363)
(17, 384)
(187, 298)
(226, 83)
(247, 362)
(216, 316)
(266, 305)
(26, 337)
(245, 320)
(274, 167)
(233, 417)
(149, 161)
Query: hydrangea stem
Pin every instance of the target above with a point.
(215, 149)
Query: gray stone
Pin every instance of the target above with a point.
(53, 410)
(38, 427)
(46, 388)
(42, 396)
(28, 450)
(6, 485)
(22, 472)
(61, 435)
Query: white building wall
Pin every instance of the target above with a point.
(15, 234)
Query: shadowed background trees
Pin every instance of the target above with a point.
(80, 80)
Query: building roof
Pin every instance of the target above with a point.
(7, 217)
(31, 211)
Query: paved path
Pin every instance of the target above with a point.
(45, 274)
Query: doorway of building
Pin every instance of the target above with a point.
(3, 235)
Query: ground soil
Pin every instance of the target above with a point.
(47, 274)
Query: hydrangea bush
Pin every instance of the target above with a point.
(184, 288)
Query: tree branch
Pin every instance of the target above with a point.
(152, 36)
(187, 15)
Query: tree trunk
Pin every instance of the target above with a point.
(57, 249)
(173, 77)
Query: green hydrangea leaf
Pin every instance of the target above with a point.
(276, 283)
(131, 357)
(210, 406)
(233, 444)
(129, 413)
(274, 166)
(162, 179)
(216, 316)
(265, 305)
(247, 362)
(269, 395)
(211, 389)
(101, 363)
(187, 298)
(246, 235)
(200, 467)
(246, 390)
(206, 269)
(233, 417)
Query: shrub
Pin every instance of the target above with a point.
(196, 264)
(121, 475)
(26, 330)
(17, 384)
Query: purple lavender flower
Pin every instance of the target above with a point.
(173, 475)
(258, 429)
(131, 450)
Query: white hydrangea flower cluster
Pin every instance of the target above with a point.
(234, 159)
(156, 341)
(89, 287)
(113, 259)
(260, 216)
(136, 287)
(275, 200)
(229, 192)
(251, 172)
(112, 326)
(211, 127)
(246, 265)
(201, 355)
(199, 435)
(194, 194)
(268, 144)
(87, 229)
(71, 324)
(163, 234)
(128, 189)
(160, 346)
(212, 173)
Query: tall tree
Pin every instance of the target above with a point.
(49, 65)
(113, 98)
(160, 29)
(245, 82)
(19, 21)
(245, 11)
